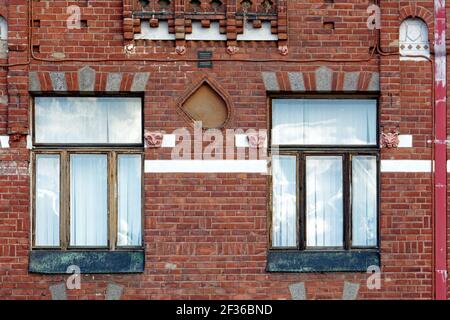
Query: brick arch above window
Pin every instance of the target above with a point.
(322, 79)
(87, 79)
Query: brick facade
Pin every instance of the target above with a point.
(206, 235)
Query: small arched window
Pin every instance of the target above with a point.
(414, 39)
(3, 29)
(3, 38)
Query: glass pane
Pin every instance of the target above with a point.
(284, 224)
(324, 122)
(88, 200)
(47, 200)
(364, 201)
(324, 202)
(86, 120)
(129, 179)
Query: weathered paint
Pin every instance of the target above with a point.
(56, 262)
(440, 154)
(321, 261)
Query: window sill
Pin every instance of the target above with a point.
(90, 262)
(322, 261)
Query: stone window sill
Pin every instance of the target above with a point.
(89, 262)
(322, 261)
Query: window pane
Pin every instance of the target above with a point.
(324, 202)
(129, 179)
(324, 122)
(86, 120)
(88, 200)
(364, 201)
(284, 224)
(47, 200)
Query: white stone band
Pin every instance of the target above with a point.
(406, 166)
(260, 166)
(205, 166)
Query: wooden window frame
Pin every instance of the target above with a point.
(64, 215)
(64, 151)
(86, 145)
(347, 156)
(301, 152)
(112, 181)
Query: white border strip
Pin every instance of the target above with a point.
(260, 166)
(406, 166)
(205, 166)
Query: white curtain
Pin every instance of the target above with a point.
(284, 224)
(88, 200)
(3, 29)
(47, 200)
(324, 201)
(129, 180)
(364, 201)
(88, 120)
(324, 122)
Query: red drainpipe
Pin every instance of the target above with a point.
(440, 153)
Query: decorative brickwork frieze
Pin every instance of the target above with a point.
(231, 15)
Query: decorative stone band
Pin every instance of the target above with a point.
(323, 79)
(206, 166)
(58, 291)
(406, 166)
(260, 166)
(88, 79)
(350, 291)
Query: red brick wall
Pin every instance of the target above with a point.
(448, 157)
(213, 227)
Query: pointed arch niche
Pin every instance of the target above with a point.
(206, 102)
(414, 39)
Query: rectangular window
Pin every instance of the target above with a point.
(129, 182)
(318, 122)
(284, 204)
(89, 195)
(88, 120)
(364, 201)
(324, 174)
(47, 199)
(324, 201)
(89, 200)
